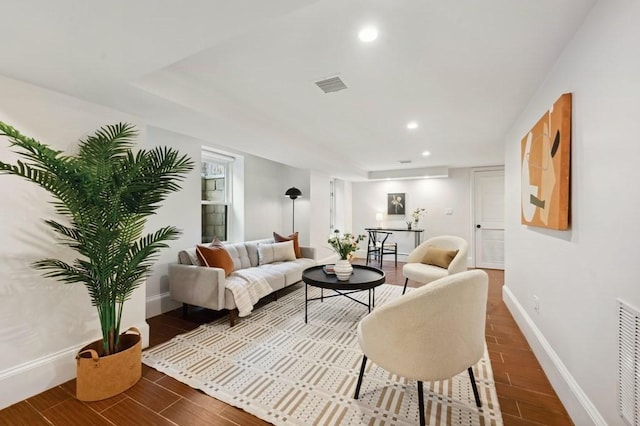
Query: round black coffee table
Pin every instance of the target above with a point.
(363, 278)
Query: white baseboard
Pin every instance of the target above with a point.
(159, 304)
(578, 405)
(36, 376)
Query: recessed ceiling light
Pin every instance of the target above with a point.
(412, 125)
(426, 153)
(368, 34)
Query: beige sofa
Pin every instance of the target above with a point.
(194, 284)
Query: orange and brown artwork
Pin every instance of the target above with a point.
(545, 158)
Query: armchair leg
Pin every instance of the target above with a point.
(475, 387)
(364, 363)
(421, 403)
(406, 280)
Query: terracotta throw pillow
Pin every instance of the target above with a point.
(293, 237)
(215, 257)
(439, 256)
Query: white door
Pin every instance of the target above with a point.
(489, 218)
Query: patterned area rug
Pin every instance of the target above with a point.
(276, 367)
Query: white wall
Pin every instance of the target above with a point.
(43, 322)
(264, 199)
(435, 195)
(319, 220)
(300, 178)
(175, 211)
(269, 210)
(579, 274)
(344, 205)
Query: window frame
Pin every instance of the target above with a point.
(215, 156)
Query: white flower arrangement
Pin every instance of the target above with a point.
(418, 213)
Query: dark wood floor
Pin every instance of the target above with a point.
(526, 397)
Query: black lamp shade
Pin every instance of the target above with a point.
(293, 193)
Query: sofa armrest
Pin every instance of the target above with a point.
(197, 285)
(308, 252)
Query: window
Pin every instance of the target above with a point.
(216, 195)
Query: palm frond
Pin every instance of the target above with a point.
(62, 270)
(139, 259)
(107, 142)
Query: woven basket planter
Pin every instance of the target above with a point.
(101, 377)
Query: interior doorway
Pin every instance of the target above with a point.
(488, 218)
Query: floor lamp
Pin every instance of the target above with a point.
(293, 193)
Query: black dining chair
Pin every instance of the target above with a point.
(378, 247)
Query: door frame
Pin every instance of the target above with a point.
(472, 225)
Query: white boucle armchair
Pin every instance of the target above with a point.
(417, 271)
(432, 333)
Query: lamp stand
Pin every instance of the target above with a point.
(293, 215)
(293, 193)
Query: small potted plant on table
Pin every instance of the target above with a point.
(344, 245)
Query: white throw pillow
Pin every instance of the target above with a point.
(276, 252)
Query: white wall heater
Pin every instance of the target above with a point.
(629, 363)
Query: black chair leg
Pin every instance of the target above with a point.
(475, 387)
(421, 403)
(364, 363)
(406, 280)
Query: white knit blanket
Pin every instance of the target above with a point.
(247, 287)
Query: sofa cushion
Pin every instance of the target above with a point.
(189, 257)
(293, 237)
(252, 249)
(239, 255)
(292, 270)
(215, 257)
(275, 252)
(306, 263)
(274, 277)
(439, 256)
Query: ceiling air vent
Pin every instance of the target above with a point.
(331, 84)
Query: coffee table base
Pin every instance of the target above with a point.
(371, 303)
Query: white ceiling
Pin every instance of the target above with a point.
(241, 73)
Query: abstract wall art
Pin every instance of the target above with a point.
(396, 203)
(545, 158)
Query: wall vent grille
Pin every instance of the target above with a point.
(331, 84)
(629, 363)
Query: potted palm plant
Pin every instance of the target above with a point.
(105, 192)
